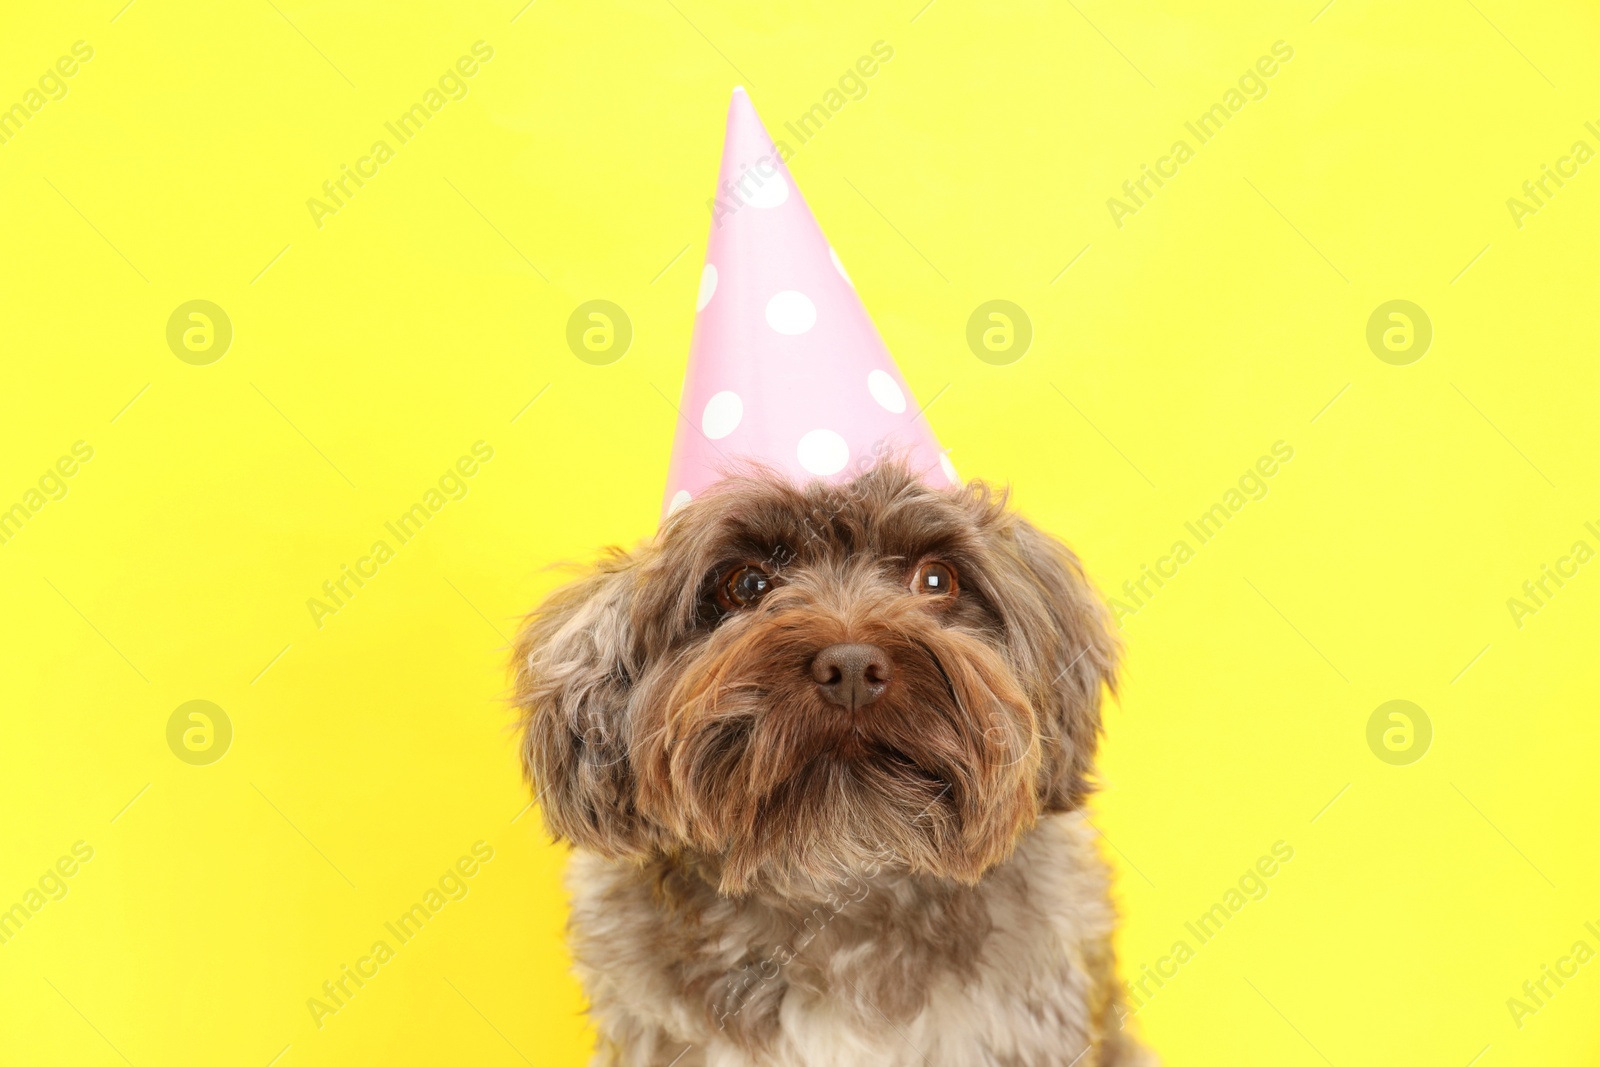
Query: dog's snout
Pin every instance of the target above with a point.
(852, 675)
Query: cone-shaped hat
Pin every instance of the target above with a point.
(786, 367)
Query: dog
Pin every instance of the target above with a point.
(823, 753)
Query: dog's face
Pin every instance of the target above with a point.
(790, 686)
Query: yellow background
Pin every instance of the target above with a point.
(372, 752)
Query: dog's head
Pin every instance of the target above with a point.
(790, 686)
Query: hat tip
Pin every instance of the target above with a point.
(738, 90)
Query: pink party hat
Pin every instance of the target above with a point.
(786, 367)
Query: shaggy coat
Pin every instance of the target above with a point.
(784, 861)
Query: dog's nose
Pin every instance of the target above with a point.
(852, 675)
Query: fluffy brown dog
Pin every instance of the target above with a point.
(823, 752)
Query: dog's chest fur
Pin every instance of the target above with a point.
(1016, 971)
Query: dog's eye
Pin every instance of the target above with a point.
(935, 579)
(742, 585)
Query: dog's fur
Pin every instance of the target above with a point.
(765, 877)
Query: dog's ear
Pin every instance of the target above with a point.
(576, 660)
(1062, 639)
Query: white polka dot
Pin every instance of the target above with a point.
(708, 286)
(840, 267)
(884, 390)
(949, 469)
(791, 312)
(679, 499)
(722, 415)
(763, 186)
(823, 452)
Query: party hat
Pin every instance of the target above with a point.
(786, 367)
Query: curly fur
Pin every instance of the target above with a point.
(765, 877)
